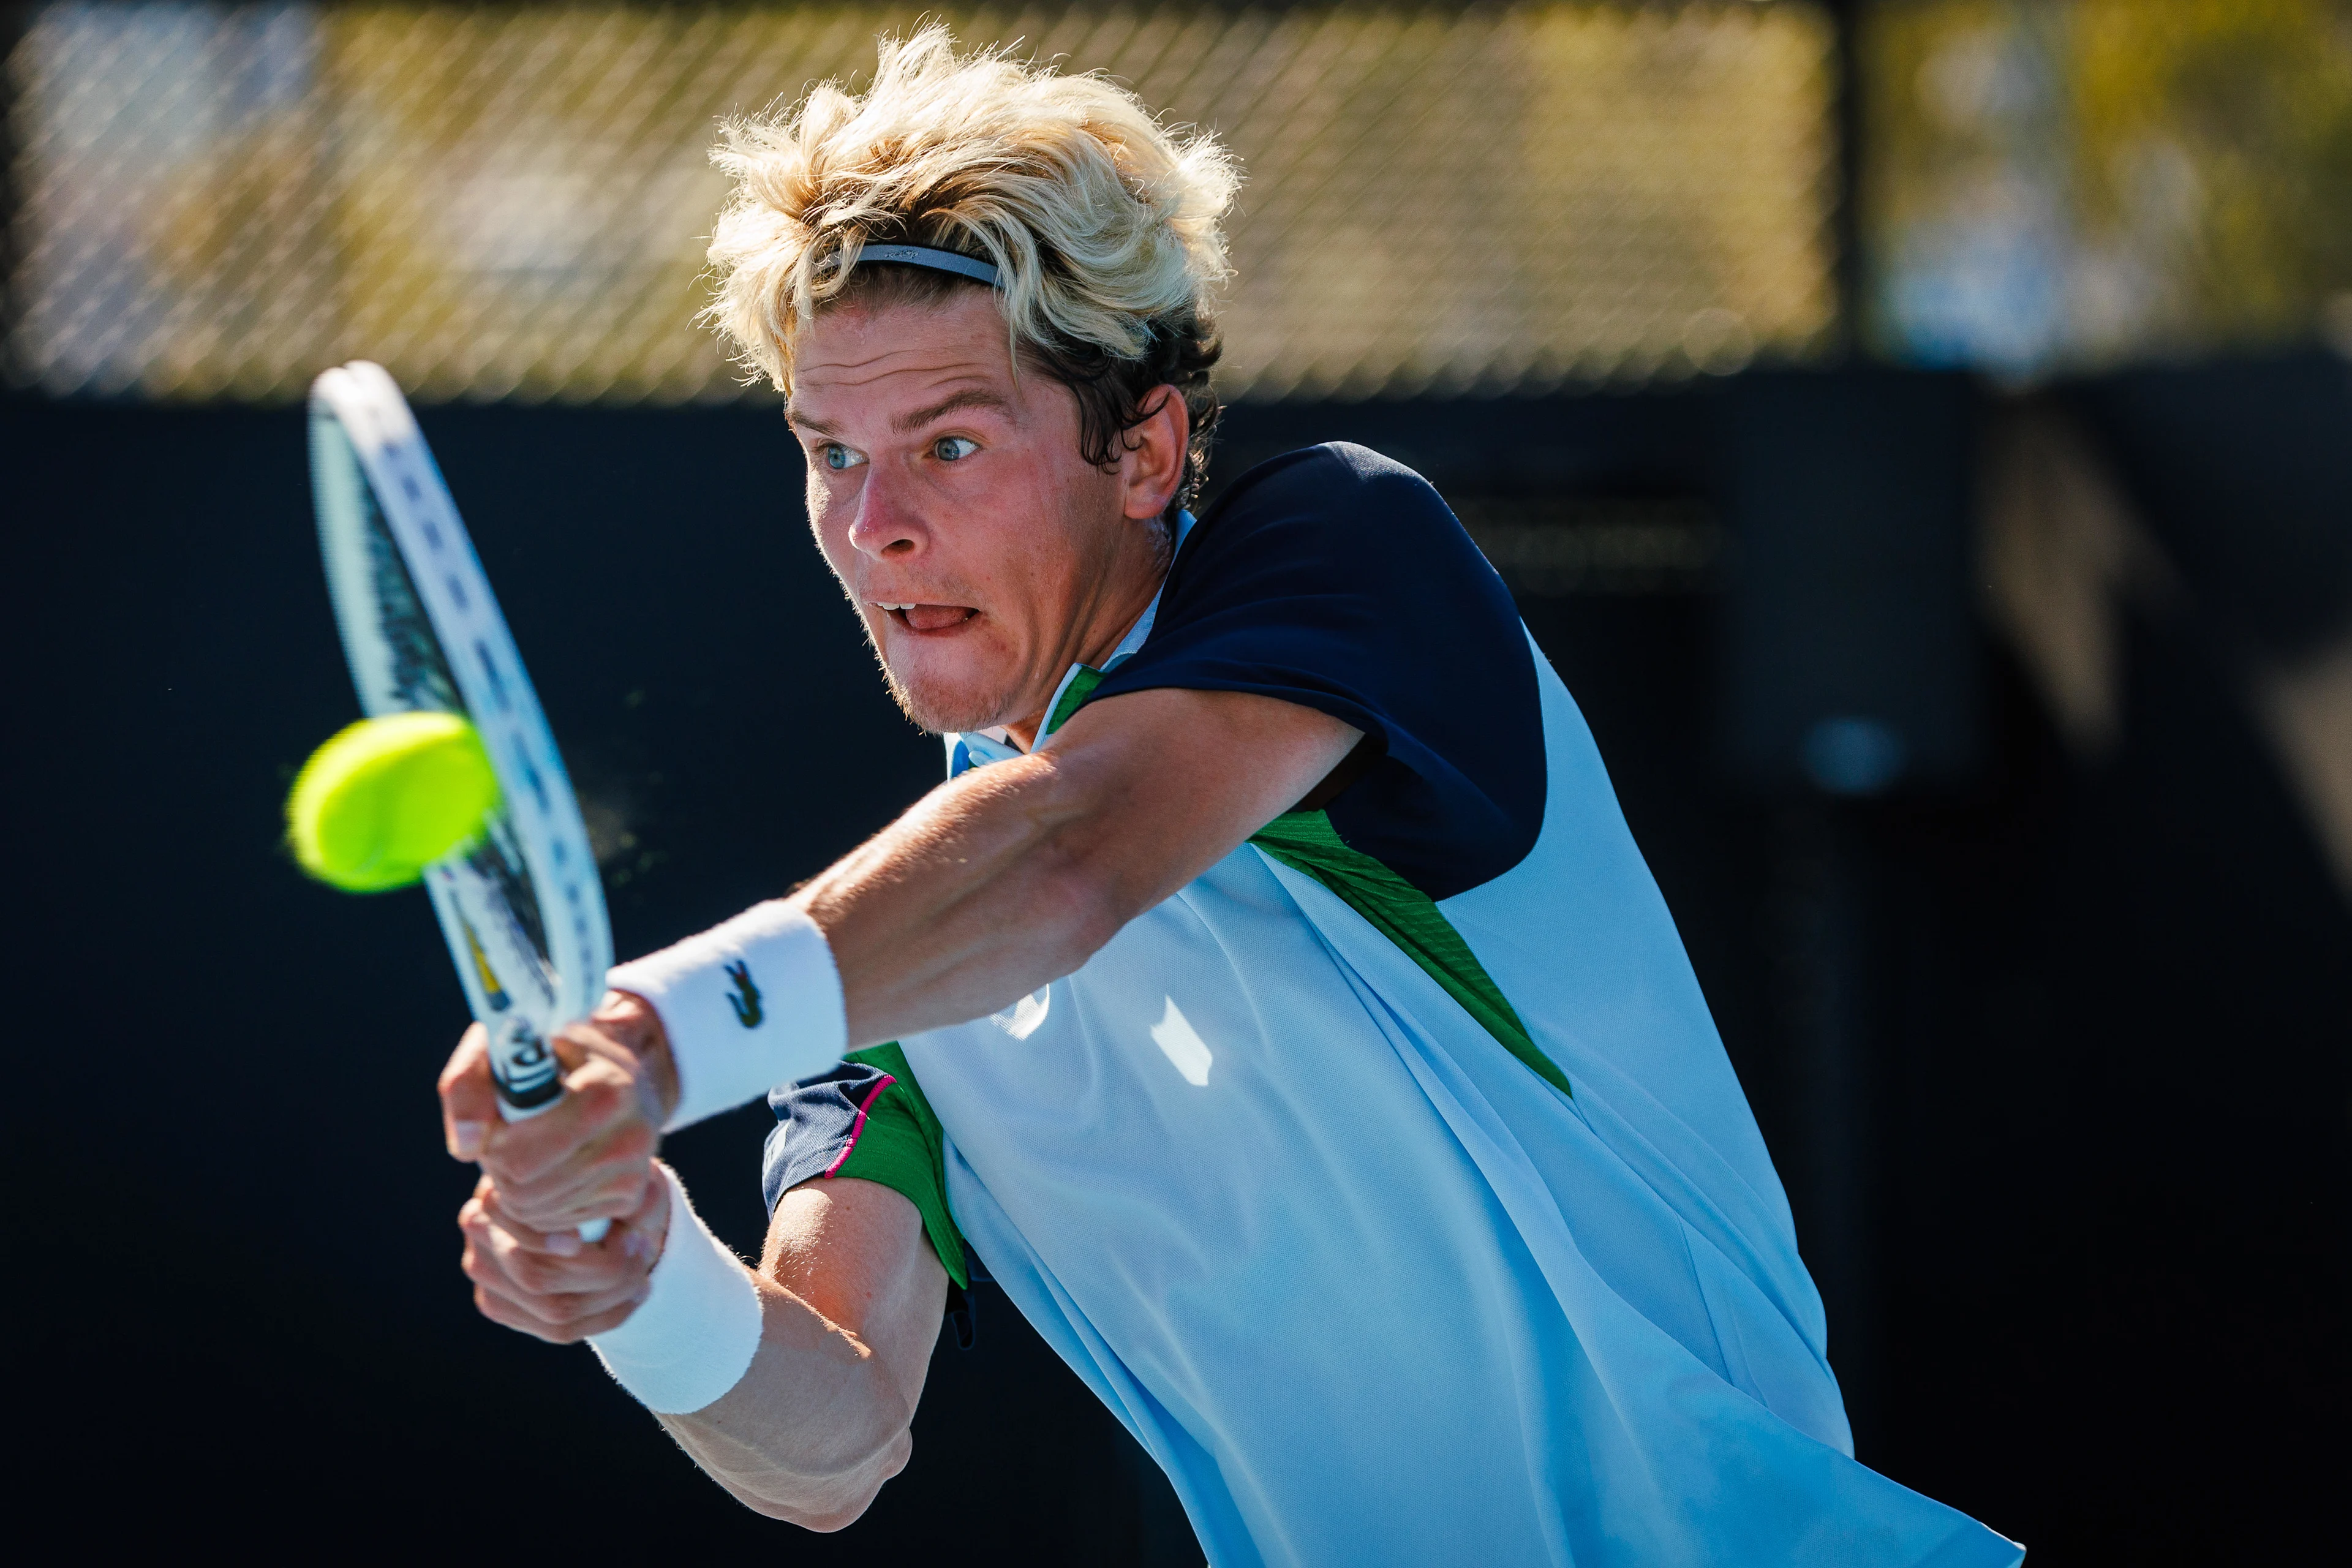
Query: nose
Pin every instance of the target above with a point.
(885, 527)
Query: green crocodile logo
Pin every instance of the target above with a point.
(745, 997)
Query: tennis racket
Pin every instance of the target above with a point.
(521, 907)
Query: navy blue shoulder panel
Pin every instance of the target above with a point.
(1336, 579)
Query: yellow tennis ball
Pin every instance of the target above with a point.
(386, 798)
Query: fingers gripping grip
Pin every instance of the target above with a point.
(530, 1080)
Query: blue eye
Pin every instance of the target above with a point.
(838, 457)
(948, 449)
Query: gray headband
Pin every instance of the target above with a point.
(937, 260)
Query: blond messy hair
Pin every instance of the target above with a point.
(1102, 224)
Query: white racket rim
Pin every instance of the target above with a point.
(359, 407)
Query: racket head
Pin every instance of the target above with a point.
(521, 907)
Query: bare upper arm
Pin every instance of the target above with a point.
(1201, 771)
(855, 1251)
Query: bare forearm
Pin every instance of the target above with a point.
(1014, 874)
(820, 1504)
(815, 1427)
(850, 1298)
(985, 891)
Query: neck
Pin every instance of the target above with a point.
(1127, 593)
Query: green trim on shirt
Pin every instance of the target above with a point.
(1081, 685)
(1306, 842)
(901, 1146)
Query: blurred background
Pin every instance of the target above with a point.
(1919, 433)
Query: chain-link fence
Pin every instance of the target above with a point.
(216, 201)
(2054, 186)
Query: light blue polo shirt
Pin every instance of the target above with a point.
(1389, 1181)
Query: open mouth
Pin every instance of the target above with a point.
(929, 618)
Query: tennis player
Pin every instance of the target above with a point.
(1272, 999)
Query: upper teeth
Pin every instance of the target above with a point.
(897, 606)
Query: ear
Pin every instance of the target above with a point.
(1152, 469)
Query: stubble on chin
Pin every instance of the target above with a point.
(936, 713)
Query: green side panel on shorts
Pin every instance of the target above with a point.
(901, 1147)
(1307, 843)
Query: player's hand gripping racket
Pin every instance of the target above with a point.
(519, 902)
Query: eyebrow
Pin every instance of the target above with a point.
(798, 420)
(969, 397)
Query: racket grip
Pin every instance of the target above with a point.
(520, 1058)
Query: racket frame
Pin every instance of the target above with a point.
(363, 433)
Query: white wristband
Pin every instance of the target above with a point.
(747, 1005)
(693, 1337)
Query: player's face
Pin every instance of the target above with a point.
(983, 552)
